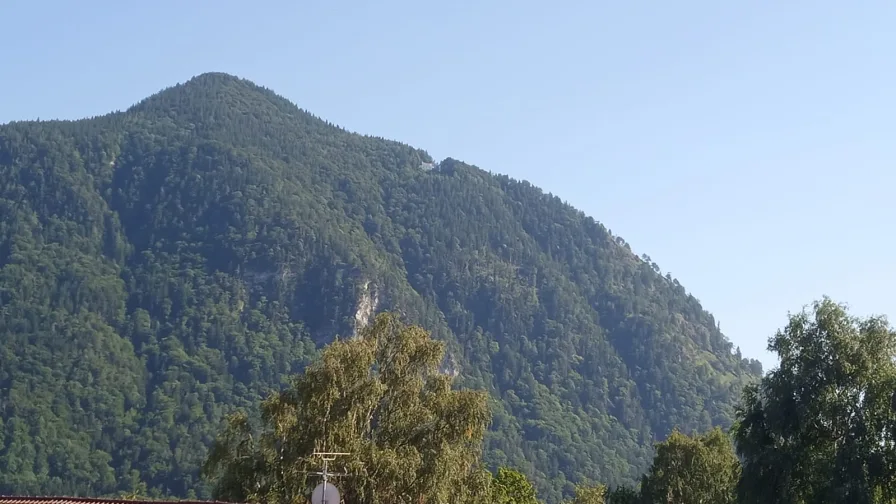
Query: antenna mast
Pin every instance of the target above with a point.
(326, 457)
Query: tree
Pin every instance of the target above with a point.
(379, 397)
(512, 487)
(594, 494)
(623, 495)
(692, 470)
(820, 427)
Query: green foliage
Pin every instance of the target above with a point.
(381, 398)
(692, 470)
(624, 495)
(510, 486)
(163, 267)
(596, 494)
(820, 427)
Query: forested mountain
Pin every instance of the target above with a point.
(162, 266)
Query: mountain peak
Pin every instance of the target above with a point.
(206, 87)
(192, 254)
(217, 76)
(222, 80)
(231, 109)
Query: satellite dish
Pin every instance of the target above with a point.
(330, 496)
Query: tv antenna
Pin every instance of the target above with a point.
(326, 493)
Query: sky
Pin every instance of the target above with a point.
(747, 147)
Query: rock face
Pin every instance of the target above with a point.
(162, 266)
(367, 304)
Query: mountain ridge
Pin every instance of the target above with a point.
(207, 239)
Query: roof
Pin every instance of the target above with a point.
(4, 499)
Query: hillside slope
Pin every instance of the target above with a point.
(164, 265)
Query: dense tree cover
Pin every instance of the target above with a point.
(693, 470)
(407, 436)
(822, 426)
(819, 428)
(509, 486)
(163, 266)
(382, 399)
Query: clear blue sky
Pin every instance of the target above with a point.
(747, 147)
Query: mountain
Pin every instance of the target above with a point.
(162, 266)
